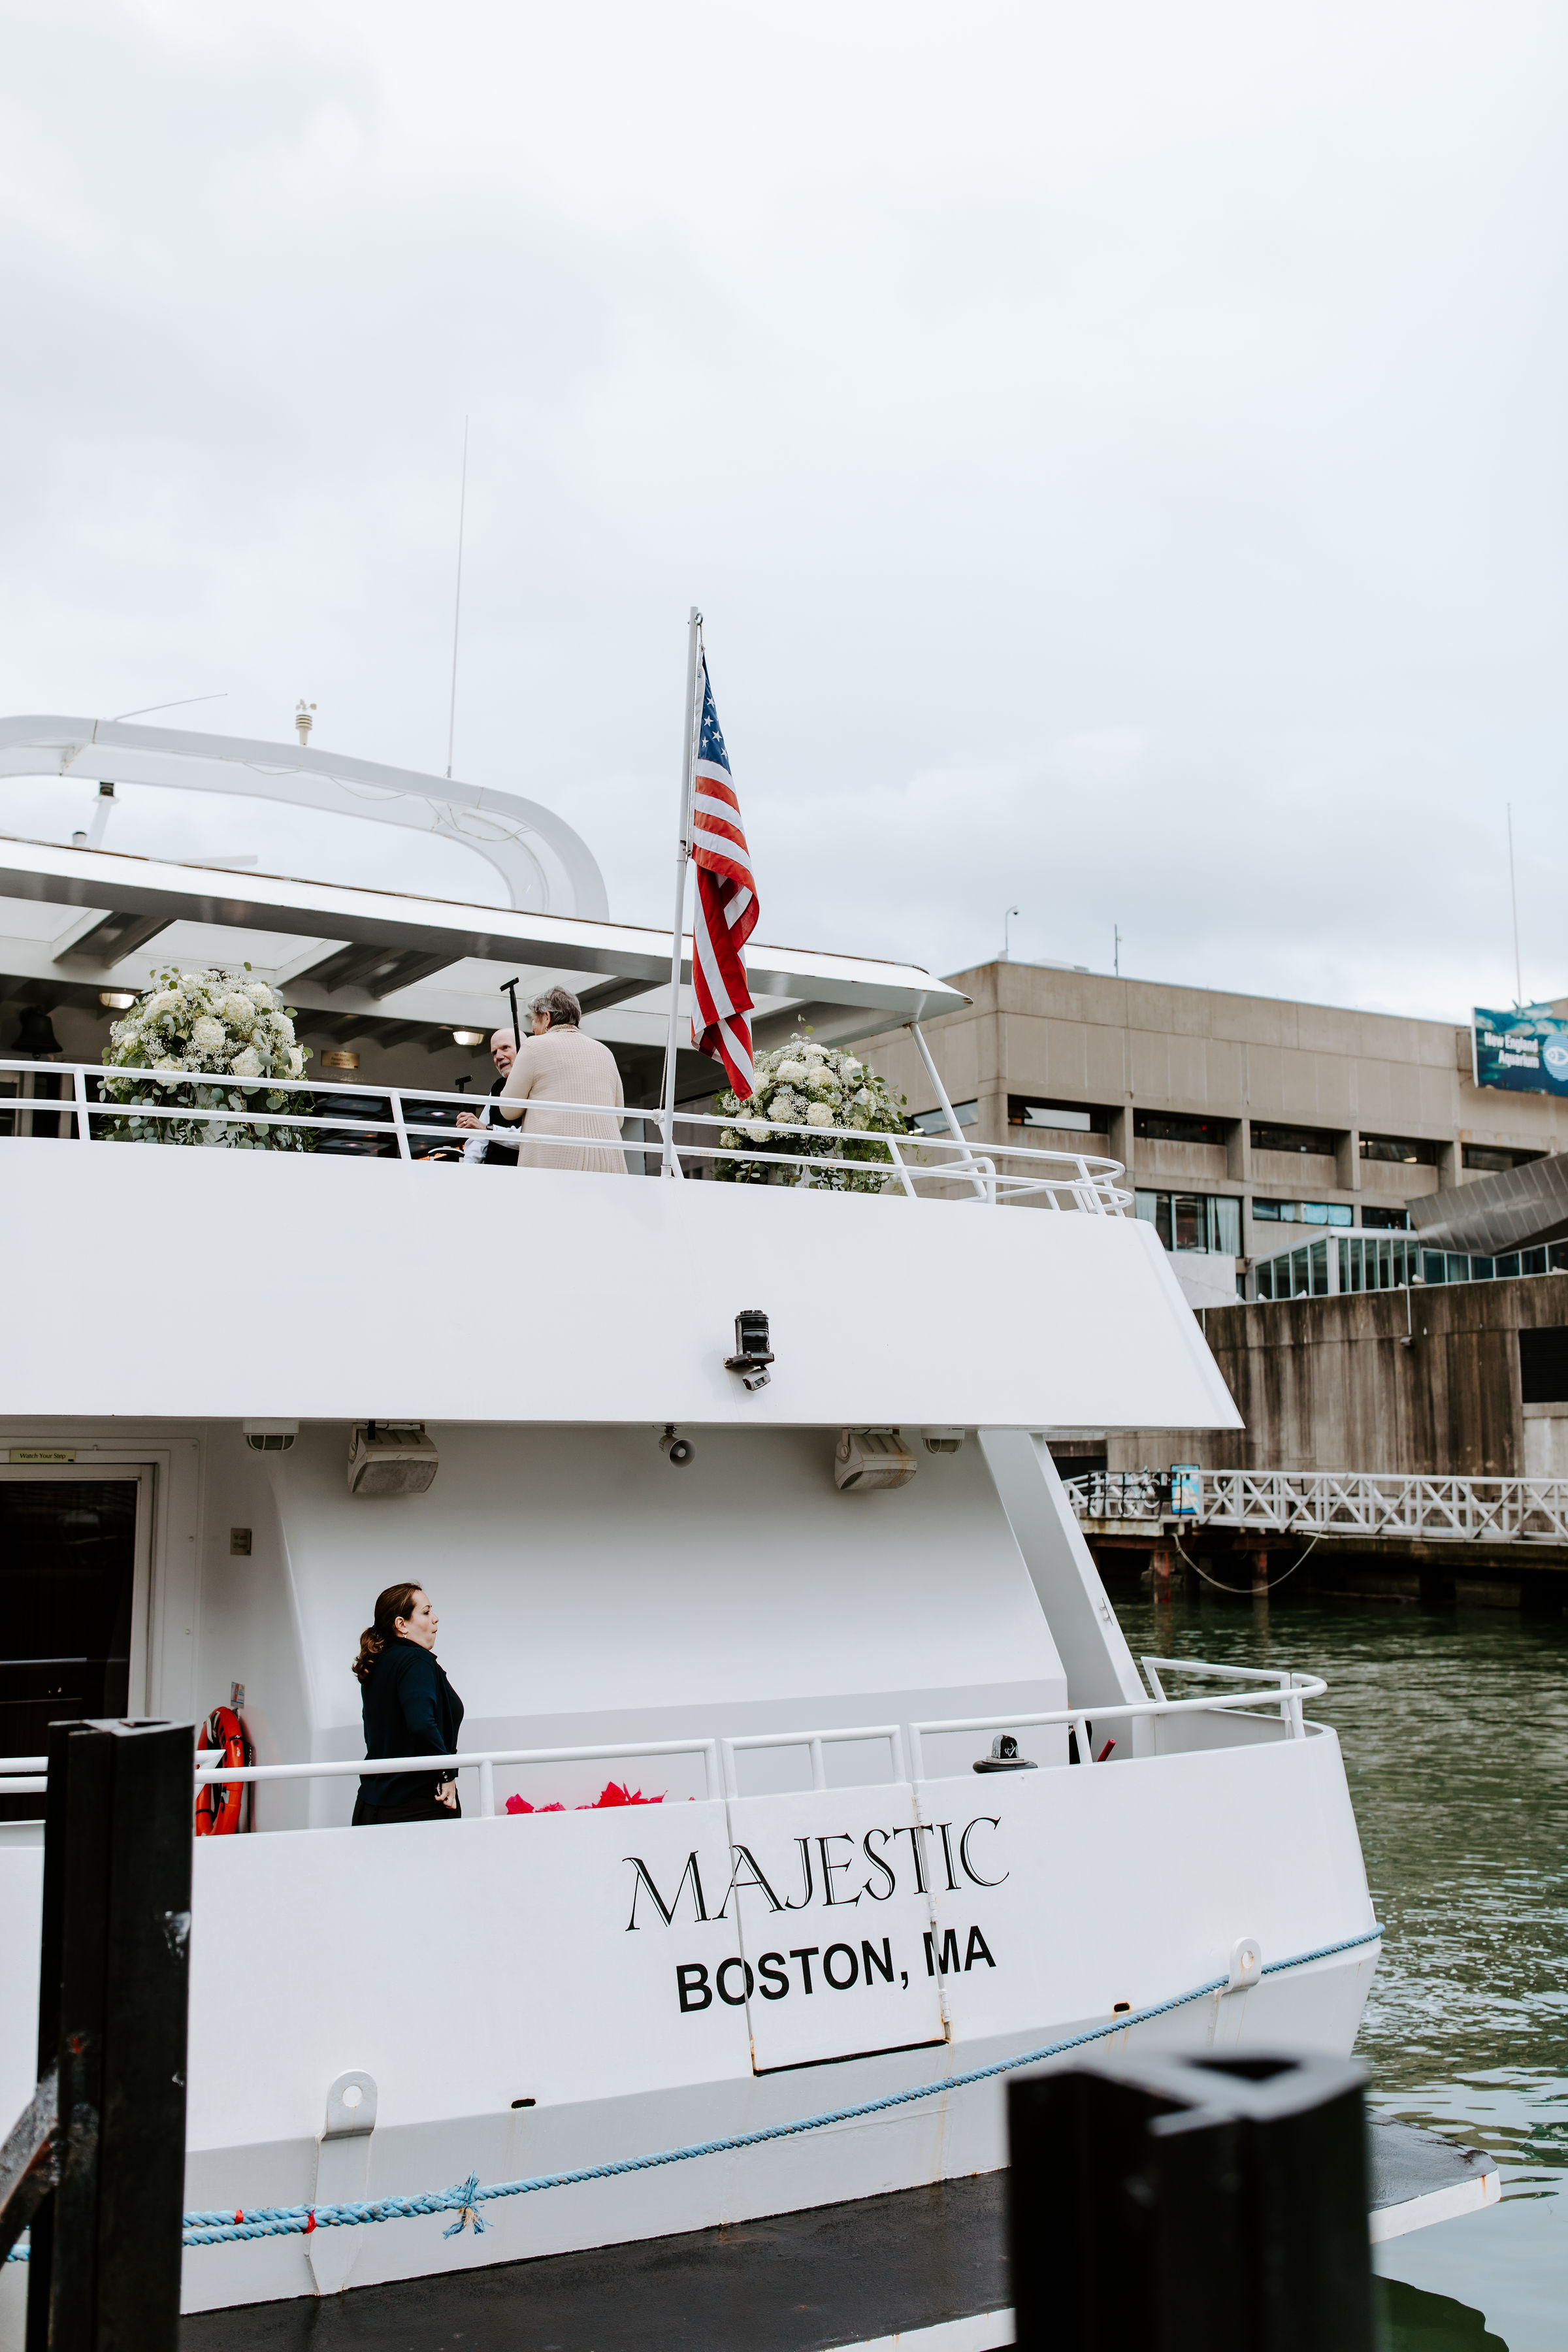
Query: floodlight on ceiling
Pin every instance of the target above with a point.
(118, 1000)
(468, 1037)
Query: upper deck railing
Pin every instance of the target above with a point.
(368, 1122)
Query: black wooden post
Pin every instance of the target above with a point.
(104, 2275)
(1188, 2204)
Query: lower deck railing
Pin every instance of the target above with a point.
(1280, 1691)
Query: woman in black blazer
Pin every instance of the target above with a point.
(410, 1709)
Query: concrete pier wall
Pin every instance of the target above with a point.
(1329, 1384)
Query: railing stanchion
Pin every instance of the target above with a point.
(487, 1790)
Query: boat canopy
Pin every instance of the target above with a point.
(392, 967)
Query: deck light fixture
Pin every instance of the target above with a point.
(338, 1060)
(468, 1037)
(270, 1436)
(118, 1000)
(752, 1354)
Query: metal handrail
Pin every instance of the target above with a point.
(1288, 1694)
(1438, 1508)
(719, 1754)
(1086, 1181)
(814, 1742)
(482, 1760)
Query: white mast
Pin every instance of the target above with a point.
(682, 859)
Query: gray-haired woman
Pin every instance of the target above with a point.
(559, 1064)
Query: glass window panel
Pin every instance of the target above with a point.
(1227, 1225)
(1432, 1266)
(1557, 1256)
(1319, 1269)
(1300, 1274)
(1507, 1266)
(1191, 1222)
(1483, 1269)
(1533, 1261)
(1266, 1279)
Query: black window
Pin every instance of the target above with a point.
(1408, 1151)
(1292, 1139)
(1078, 1118)
(1492, 1160)
(1385, 1221)
(1165, 1126)
(1544, 1365)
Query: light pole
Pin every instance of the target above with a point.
(1006, 947)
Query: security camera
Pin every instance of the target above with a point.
(752, 1354)
(678, 1449)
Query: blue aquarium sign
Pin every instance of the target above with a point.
(1525, 1051)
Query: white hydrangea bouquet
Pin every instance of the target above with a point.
(223, 1031)
(801, 1089)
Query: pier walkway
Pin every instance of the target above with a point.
(1444, 1529)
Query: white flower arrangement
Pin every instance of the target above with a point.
(804, 1090)
(204, 1024)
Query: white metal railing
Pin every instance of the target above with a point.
(1337, 1503)
(815, 1743)
(1286, 1692)
(482, 1760)
(26, 1775)
(399, 1120)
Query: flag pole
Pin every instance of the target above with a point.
(682, 860)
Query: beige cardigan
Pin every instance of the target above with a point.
(565, 1066)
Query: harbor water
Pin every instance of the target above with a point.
(1454, 1728)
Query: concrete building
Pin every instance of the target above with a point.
(1238, 1117)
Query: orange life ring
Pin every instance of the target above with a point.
(220, 1804)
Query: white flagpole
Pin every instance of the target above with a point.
(682, 860)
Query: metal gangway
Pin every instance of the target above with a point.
(1346, 1504)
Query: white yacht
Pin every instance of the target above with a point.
(841, 1624)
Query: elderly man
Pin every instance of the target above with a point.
(485, 1148)
(558, 1065)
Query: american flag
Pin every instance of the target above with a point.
(726, 906)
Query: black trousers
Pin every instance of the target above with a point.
(419, 1809)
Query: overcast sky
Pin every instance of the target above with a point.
(1119, 450)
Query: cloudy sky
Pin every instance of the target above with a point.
(1119, 451)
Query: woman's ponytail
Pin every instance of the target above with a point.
(396, 1601)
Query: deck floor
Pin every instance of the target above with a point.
(834, 2276)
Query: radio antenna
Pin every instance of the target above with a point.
(458, 600)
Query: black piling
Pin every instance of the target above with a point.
(97, 2165)
(1191, 2204)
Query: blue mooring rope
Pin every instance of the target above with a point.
(464, 2199)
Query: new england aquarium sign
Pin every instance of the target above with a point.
(1526, 1051)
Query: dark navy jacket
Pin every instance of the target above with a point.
(410, 1709)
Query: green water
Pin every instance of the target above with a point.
(1453, 1724)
